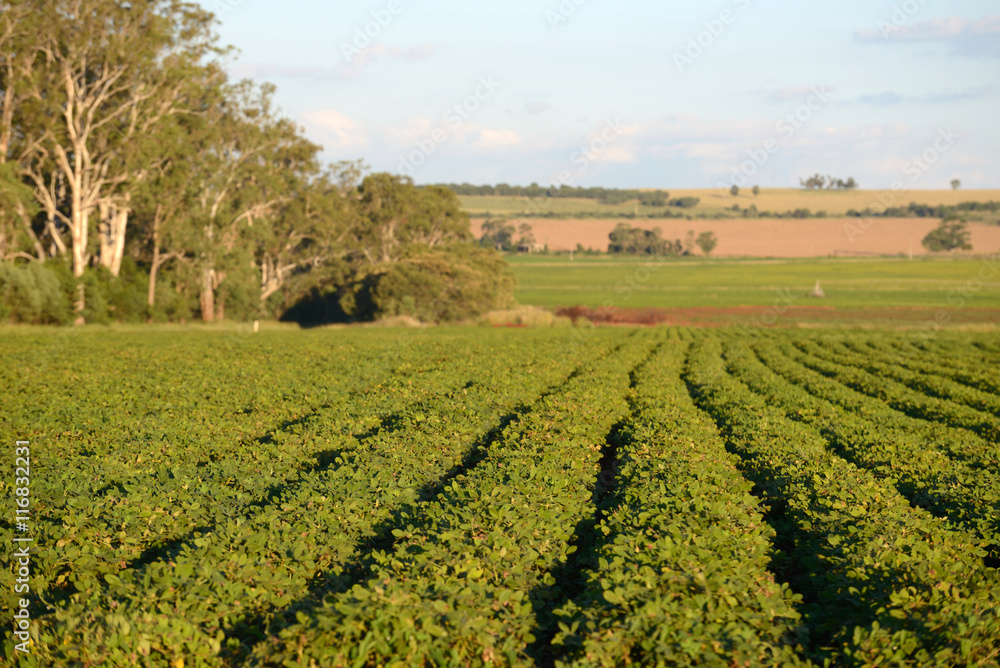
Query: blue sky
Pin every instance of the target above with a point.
(636, 93)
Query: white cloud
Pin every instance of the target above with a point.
(967, 37)
(536, 107)
(489, 139)
(936, 29)
(796, 92)
(368, 56)
(336, 131)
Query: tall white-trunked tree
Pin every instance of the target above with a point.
(107, 73)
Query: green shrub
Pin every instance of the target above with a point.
(32, 293)
(440, 285)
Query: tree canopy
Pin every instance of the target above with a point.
(148, 185)
(952, 234)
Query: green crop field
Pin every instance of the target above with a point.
(848, 284)
(480, 497)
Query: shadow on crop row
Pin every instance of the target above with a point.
(270, 621)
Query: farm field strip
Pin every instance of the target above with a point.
(261, 563)
(680, 575)
(840, 365)
(482, 496)
(874, 361)
(881, 579)
(941, 346)
(910, 357)
(896, 453)
(128, 521)
(958, 443)
(125, 516)
(991, 351)
(471, 564)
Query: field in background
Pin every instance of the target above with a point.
(714, 202)
(768, 237)
(859, 291)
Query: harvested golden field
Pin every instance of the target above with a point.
(834, 202)
(715, 202)
(760, 237)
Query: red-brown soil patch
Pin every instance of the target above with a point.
(765, 316)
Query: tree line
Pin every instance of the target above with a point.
(137, 181)
(820, 182)
(603, 195)
(628, 240)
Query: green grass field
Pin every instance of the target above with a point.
(849, 284)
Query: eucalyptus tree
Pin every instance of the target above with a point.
(17, 204)
(104, 75)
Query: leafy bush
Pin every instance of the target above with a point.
(685, 202)
(32, 293)
(439, 285)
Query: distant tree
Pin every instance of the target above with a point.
(814, 182)
(441, 284)
(498, 234)
(956, 184)
(689, 242)
(820, 182)
(655, 198)
(628, 240)
(950, 235)
(735, 190)
(526, 236)
(707, 242)
(685, 202)
(756, 190)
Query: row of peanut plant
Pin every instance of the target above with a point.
(473, 497)
(681, 574)
(197, 599)
(461, 586)
(837, 363)
(908, 453)
(882, 581)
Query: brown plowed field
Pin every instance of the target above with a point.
(760, 237)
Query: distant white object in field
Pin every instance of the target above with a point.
(818, 291)
(256, 323)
